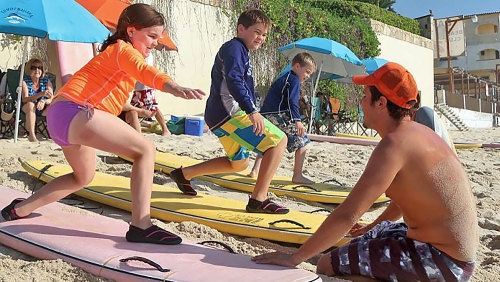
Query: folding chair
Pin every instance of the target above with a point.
(342, 122)
(322, 122)
(41, 122)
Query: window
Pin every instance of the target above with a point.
(487, 28)
(489, 54)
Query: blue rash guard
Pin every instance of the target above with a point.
(283, 96)
(232, 86)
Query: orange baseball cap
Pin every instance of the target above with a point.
(394, 82)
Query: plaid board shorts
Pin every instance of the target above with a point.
(238, 139)
(283, 122)
(386, 253)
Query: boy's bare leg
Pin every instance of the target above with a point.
(132, 118)
(298, 177)
(161, 121)
(256, 166)
(213, 166)
(270, 163)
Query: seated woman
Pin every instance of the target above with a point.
(37, 94)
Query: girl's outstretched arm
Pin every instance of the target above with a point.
(182, 92)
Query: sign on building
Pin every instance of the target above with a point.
(456, 38)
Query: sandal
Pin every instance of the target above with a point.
(183, 184)
(267, 206)
(9, 212)
(153, 235)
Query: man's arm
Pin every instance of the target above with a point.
(392, 213)
(379, 173)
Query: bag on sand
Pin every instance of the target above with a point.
(177, 126)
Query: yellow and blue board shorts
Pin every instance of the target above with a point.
(238, 139)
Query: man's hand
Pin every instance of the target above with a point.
(359, 229)
(301, 130)
(259, 126)
(276, 258)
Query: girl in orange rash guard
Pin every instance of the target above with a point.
(82, 118)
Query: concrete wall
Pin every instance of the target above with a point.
(411, 51)
(198, 30)
(473, 119)
(197, 27)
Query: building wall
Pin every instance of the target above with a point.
(197, 27)
(413, 52)
(477, 41)
(473, 119)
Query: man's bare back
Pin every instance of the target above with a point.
(428, 188)
(433, 192)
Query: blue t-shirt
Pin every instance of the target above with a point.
(283, 96)
(232, 86)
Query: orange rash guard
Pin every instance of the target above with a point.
(106, 81)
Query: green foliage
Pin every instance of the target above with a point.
(384, 4)
(344, 8)
(342, 21)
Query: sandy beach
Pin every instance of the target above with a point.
(324, 161)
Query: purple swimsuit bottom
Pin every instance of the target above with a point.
(59, 117)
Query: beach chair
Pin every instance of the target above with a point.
(322, 121)
(41, 122)
(342, 122)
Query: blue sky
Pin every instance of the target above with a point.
(445, 8)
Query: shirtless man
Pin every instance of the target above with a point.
(428, 188)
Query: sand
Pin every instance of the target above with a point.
(324, 161)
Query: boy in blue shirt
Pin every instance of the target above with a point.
(234, 118)
(281, 107)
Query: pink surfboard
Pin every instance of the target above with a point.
(96, 244)
(343, 140)
(72, 57)
(491, 145)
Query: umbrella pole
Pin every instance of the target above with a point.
(312, 97)
(19, 89)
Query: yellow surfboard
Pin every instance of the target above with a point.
(281, 185)
(170, 204)
(468, 145)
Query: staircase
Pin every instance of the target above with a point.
(451, 116)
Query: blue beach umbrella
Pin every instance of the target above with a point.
(372, 64)
(62, 20)
(330, 56)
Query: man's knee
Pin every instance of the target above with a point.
(240, 165)
(324, 265)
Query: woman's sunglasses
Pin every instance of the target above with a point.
(36, 67)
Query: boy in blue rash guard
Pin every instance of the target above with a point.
(233, 117)
(281, 107)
